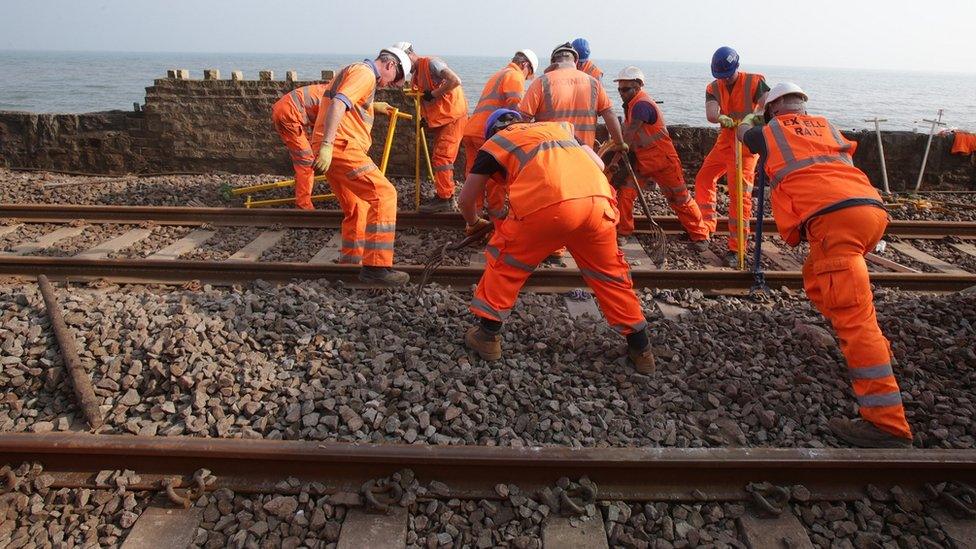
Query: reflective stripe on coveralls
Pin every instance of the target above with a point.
(293, 115)
(446, 117)
(567, 95)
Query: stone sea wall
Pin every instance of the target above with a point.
(214, 124)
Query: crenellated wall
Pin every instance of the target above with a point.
(214, 124)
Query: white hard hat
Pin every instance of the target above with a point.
(784, 88)
(402, 56)
(405, 46)
(532, 57)
(630, 73)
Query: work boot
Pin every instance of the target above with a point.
(622, 240)
(438, 205)
(864, 434)
(732, 260)
(701, 246)
(643, 360)
(487, 345)
(383, 276)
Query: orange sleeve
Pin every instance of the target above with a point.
(513, 88)
(529, 104)
(358, 84)
(602, 100)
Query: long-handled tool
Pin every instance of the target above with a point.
(884, 170)
(659, 242)
(759, 289)
(740, 226)
(420, 144)
(928, 145)
(437, 257)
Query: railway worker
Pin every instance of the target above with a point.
(819, 196)
(445, 112)
(657, 160)
(728, 99)
(566, 94)
(294, 117)
(582, 47)
(342, 139)
(557, 196)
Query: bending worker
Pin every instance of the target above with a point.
(657, 160)
(342, 139)
(558, 196)
(819, 196)
(566, 94)
(728, 99)
(582, 47)
(445, 112)
(294, 116)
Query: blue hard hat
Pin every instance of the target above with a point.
(725, 61)
(582, 46)
(493, 119)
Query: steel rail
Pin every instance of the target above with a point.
(229, 272)
(472, 472)
(260, 217)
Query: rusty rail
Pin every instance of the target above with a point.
(258, 217)
(557, 279)
(471, 472)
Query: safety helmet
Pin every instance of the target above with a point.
(495, 122)
(630, 73)
(582, 46)
(405, 46)
(782, 89)
(567, 47)
(401, 56)
(725, 61)
(532, 57)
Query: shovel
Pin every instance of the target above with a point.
(659, 242)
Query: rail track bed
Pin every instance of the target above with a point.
(229, 245)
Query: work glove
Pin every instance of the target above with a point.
(381, 106)
(472, 228)
(428, 96)
(753, 119)
(726, 121)
(324, 159)
(622, 147)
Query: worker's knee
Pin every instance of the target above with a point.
(842, 281)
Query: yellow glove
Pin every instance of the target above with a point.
(381, 106)
(324, 159)
(753, 120)
(622, 147)
(726, 121)
(476, 226)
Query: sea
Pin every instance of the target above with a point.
(77, 82)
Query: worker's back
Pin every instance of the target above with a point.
(567, 95)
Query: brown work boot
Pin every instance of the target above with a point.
(488, 346)
(643, 361)
(864, 434)
(383, 276)
(438, 205)
(701, 246)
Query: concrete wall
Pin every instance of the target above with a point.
(224, 125)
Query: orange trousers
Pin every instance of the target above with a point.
(369, 205)
(293, 134)
(665, 171)
(835, 277)
(721, 161)
(587, 226)
(447, 141)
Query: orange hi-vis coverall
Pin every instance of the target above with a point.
(294, 117)
(503, 90)
(446, 116)
(367, 198)
(736, 102)
(590, 68)
(567, 95)
(557, 197)
(818, 195)
(657, 162)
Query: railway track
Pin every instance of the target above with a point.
(764, 480)
(166, 265)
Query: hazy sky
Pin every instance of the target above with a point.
(896, 34)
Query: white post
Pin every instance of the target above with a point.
(884, 170)
(935, 123)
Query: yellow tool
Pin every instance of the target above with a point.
(229, 192)
(420, 143)
(740, 204)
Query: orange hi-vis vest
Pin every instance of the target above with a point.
(810, 169)
(357, 82)
(737, 102)
(569, 95)
(503, 90)
(304, 102)
(544, 165)
(444, 109)
(590, 68)
(642, 136)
